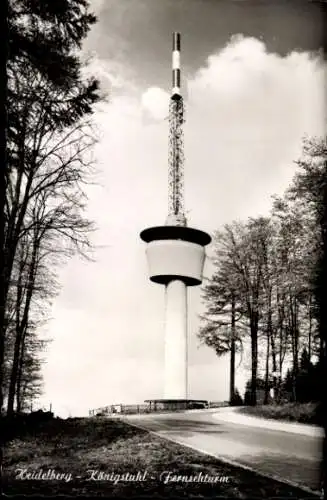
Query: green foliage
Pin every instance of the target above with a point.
(276, 269)
(287, 383)
(292, 412)
(47, 36)
(218, 295)
(310, 185)
(260, 388)
(236, 399)
(307, 381)
(49, 101)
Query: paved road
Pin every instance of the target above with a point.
(284, 455)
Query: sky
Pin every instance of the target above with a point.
(253, 80)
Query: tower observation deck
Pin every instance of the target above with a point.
(175, 252)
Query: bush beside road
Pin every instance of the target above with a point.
(306, 413)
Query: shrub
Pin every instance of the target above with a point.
(236, 400)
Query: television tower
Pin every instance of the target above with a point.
(175, 252)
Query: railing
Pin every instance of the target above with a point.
(120, 409)
(124, 409)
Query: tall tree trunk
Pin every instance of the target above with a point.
(20, 375)
(294, 339)
(321, 349)
(274, 365)
(254, 355)
(3, 182)
(281, 339)
(19, 391)
(17, 343)
(296, 351)
(321, 296)
(310, 327)
(14, 369)
(266, 399)
(20, 330)
(232, 355)
(254, 358)
(268, 337)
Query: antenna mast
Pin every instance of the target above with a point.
(176, 215)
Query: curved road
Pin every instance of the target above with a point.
(286, 456)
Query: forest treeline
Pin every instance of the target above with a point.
(49, 141)
(268, 288)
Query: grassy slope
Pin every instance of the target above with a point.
(293, 412)
(76, 445)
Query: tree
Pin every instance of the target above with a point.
(307, 380)
(291, 276)
(246, 249)
(311, 185)
(264, 266)
(237, 288)
(48, 137)
(237, 399)
(3, 181)
(260, 386)
(35, 284)
(29, 378)
(221, 323)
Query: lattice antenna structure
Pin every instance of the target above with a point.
(176, 215)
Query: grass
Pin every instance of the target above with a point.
(293, 412)
(74, 446)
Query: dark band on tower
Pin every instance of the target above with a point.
(176, 65)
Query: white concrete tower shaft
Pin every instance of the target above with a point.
(176, 369)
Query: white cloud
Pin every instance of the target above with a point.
(113, 75)
(156, 102)
(246, 114)
(96, 5)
